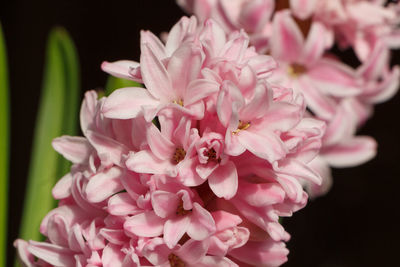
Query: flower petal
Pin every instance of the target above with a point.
(303, 8)
(192, 251)
(287, 41)
(120, 69)
(183, 67)
(315, 43)
(200, 89)
(202, 224)
(155, 76)
(161, 147)
(74, 148)
(104, 184)
(109, 150)
(112, 256)
(127, 103)
(52, 254)
(351, 152)
(223, 180)
(62, 189)
(258, 253)
(156, 45)
(145, 162)
(146, 224)
(122, 205)
(264, 145)
(164, 203)
(174, 229)
(334, 78)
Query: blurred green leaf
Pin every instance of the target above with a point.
(57, 115)
(4, 145)
(114, 83)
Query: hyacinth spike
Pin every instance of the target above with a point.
(138, 193)
(4, 143)
(58, 102)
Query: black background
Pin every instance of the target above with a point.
(354, 225)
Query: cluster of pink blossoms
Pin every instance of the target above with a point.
(195, 169)
(299, 35)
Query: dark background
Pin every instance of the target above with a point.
(354, 225)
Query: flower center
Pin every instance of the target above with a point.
(296, 70)
(175, 261)
(179, 102)
(212, 155)
(242, 126)
(179, 155)
(181, 210)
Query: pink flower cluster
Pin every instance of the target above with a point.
(299, 35)
(195, 169)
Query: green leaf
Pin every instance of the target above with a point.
(57, 116)
(71, 92)
(114, 83)
(4, 145)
